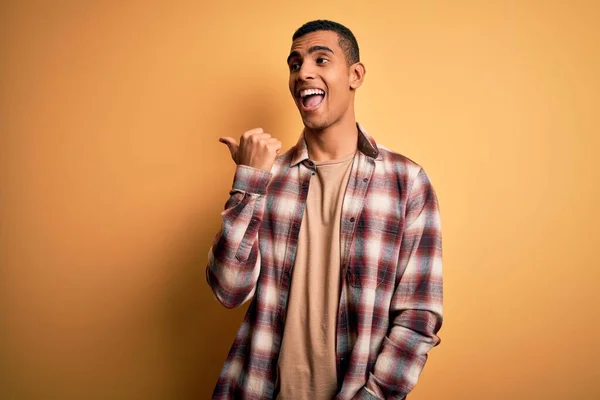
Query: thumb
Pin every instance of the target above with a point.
(232, 144)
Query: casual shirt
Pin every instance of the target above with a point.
(390, 304)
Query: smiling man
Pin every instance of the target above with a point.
(336, 242)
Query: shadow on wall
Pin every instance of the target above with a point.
(198, 329)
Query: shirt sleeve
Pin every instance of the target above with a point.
(234, 258)
(416, 307)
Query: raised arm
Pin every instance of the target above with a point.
(234, 258)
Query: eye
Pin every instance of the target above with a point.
(295, 66)
(322, 60)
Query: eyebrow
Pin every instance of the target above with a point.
(311, 50)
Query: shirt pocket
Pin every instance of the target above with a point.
(374, 251)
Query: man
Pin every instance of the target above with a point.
(337, 242)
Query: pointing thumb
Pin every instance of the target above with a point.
(232, 144)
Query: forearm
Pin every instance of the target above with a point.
(234, 259)
(416, 306)
(403, 355)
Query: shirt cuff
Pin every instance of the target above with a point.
(365, 394)
(251, 180)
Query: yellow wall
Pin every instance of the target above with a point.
(112, 180)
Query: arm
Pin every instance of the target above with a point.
(234, 259)
(416, 306)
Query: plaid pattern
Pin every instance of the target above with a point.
(391, 259)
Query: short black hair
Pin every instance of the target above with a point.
(347, 40)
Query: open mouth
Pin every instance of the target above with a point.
(311, 99)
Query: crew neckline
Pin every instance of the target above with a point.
(336, 161)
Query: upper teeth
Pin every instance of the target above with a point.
(307, 92)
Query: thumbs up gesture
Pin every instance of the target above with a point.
(256, 149)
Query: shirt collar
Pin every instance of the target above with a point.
(366, 145)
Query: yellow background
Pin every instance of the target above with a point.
(112, 180)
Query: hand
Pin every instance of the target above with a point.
(256, 149)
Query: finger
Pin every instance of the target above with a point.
(227, 140)
(275, 145)
(252, 132)
(231, 143)
(258, 137)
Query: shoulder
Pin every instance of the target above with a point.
(390, 162)
(410, 177)
(408, 174)
(400, 165)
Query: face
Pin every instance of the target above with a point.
(321, 82)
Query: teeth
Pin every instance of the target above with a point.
(307, 92)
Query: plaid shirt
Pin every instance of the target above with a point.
(390, 307)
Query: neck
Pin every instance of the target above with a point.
(333, 142)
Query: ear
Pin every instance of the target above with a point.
(357, 73)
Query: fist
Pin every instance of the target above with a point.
(256, 149)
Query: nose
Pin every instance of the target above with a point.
(305, 73)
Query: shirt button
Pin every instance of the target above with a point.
(352, 220)
(312, 164)
(366, 180)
